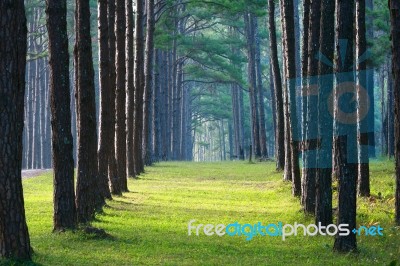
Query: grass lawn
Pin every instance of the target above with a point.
(149, 224)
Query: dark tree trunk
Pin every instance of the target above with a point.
(394, 6)
(148, 73)
(289, 51)
(323, 202)
(63, 161)
(130, 89)
(139, 88)
(86, 184)
(105, 144)
(310, 159)
(279, 138)
(120, 96)
(14, 236)
(371, 83)
(363, 156)
(115, 185)
(346, 168)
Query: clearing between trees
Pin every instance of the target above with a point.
(149, 224)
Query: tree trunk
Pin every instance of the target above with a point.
(394, 6)
(14, 236)
(86, 184)
(279, 142)
(120, 96)
(115, 185)
(148, 74)
(311, 137)
(346, 136)
(105, 144)
(139, 88)
(63, 161)
(289, 51)
(323, 201)
(362, 139)
(130, 89)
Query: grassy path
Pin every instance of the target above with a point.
(149, 224)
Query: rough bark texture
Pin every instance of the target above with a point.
(394, 6)
(323, 201)
(115, 185)
(346, 169)
(279, 129)
(130, 89)
(120, 133)
(86, 184)
(63, 161)
(363, 156)
(14, 236)
(105, 144)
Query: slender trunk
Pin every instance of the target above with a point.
(394, 6)
(279, 146)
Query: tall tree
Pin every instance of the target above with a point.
(345, 135)
(363, 151)
(394, 6)
(105, 134)
(323, 201)
(130, 89)
(86, 184)
(139, 88)
(148, 77)
(279, 140)
(290, 57)
(311, 131)
(115, 184)
(120, 129)
(63, 161)
(14, 236)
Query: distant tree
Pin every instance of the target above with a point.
(63, 161)
(346, 136)
(14, 236)
(394, 6)
(86, 184)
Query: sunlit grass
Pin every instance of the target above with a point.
(148, 226)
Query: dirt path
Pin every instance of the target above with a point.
(34, 172)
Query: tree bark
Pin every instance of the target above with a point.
(279, 138)
(14, 236)
(63, 161)
(362, 138)
(394, 6)
(105, 144)
(86, 184)
(345, 136)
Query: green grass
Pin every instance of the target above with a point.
(149, 224)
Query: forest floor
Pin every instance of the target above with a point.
(149, 225)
